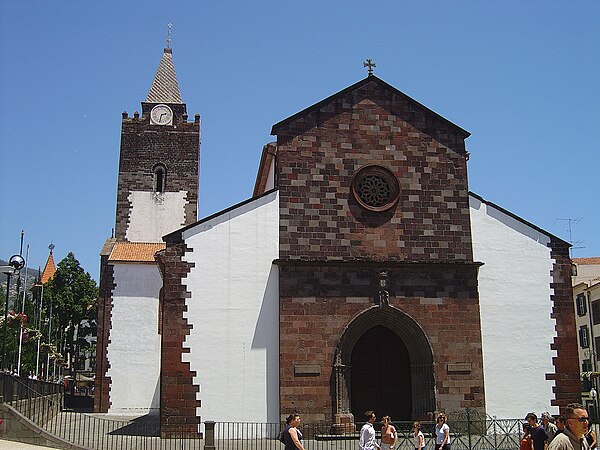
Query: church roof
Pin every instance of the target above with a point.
(135, 252)
(520, 219)
(165, 88)
(49, 269)
(355, 86)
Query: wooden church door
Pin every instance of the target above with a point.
(381, 378)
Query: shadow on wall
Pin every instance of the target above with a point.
(266, 336)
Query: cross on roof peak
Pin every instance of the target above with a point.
(170, 26)
(370, 64)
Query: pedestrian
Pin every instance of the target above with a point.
(576, 426)
(418, 437)
(367, 439)
(549, 427)
(388, 434)
(442, 433)
(590, 437)
(526, 443)
(560, 424)
(538, 434)
(292, 436)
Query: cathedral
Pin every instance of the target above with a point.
(361, 274)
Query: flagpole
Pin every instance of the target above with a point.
(23, 312)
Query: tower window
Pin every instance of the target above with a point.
(160, 178)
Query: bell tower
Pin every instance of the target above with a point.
(157, 189)
(157, 193)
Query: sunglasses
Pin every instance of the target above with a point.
(581, 419)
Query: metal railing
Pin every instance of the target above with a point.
(42, 403)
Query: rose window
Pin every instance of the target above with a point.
(375, 188)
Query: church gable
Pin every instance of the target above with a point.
(386, 96)
(330, 154)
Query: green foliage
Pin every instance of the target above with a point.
(72, 294)
(69, 305)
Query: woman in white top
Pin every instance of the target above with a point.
(442, 434)
(418, 438)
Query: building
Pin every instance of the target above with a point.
(586, 294)
(362, 274)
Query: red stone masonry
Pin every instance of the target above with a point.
(319, 300)
(104, 316)
(319, 152)
(566, 363)
(177, 392)
(331, 248)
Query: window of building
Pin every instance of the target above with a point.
(586, 365)
(584, 337)
(597, 342)
(596, 312)
(581, 305)
(375, 188)
(160, 178)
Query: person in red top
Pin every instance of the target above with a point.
(526, 443)
(388, 434)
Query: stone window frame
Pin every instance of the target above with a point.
(379, 172)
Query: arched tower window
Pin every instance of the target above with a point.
(160, 178)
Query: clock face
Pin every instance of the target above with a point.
(161, 115)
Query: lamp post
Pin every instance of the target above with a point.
(594, 395)
(15, 264)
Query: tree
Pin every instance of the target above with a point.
(72, 294)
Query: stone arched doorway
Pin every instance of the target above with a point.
(410, 368)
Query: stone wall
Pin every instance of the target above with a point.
(143, 147)
(178, 402)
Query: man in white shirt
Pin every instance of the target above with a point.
(367, 439)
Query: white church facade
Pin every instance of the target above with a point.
(361, 229)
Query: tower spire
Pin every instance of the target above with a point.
(49, 268)
(165, 88)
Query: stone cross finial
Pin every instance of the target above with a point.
(51, 247)
(170, 26)
(370, 64)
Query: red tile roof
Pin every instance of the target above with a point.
(49, 269)
(586, 261)
(138, 252)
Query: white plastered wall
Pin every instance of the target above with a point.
(514, 296)
(134, 348)
(234, 313)
(155, 214)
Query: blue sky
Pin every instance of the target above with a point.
(521, 76)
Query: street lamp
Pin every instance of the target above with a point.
(15, 264)
(594, 395)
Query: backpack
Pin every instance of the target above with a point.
(281, 435)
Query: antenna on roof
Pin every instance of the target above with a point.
(571, 222)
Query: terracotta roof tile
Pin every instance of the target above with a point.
(586, 261)
(49, 269)
(139, 252)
